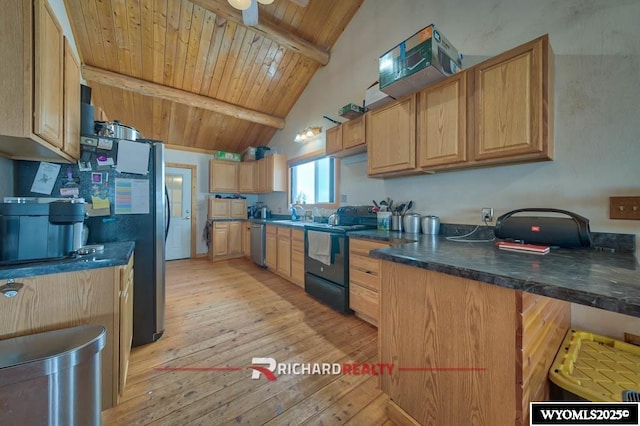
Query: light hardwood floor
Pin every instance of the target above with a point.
(223, 315)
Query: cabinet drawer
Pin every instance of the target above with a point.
(363, 247)
(366, 264)
(372, 282)
(271, 229)
(297, 246)
(364, 302)
(284, 231)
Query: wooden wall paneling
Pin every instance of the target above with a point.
(201, 53)
(120, 36)
(221, 58)
(219, 30)
(182, 45)
(108, 36)
(233, 72)
(146, 35)
(171, 41)
(236, 54)
(76, 18)
(193, 48)
(159, 41)
(271, 60)
(134, 23)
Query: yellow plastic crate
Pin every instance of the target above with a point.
(596, 368)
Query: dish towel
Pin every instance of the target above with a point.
(320, 246)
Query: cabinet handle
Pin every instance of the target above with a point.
(11, 288)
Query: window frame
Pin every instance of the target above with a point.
(307, 158)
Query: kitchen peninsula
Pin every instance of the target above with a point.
(476, 328)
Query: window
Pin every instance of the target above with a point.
(314, 182)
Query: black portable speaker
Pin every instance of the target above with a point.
(572, 231)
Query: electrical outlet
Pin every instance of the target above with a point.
(343, 198)
(624, 208)
(487, 214)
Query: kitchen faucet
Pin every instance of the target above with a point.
(294, 213)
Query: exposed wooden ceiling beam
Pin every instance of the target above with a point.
(147, 88)
(269, 30)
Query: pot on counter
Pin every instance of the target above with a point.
(114, 129)
(431, 225)
(411, 222)
(334, 220)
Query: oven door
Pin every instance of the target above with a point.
(338, 270)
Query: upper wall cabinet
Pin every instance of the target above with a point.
(268, 174)
(348, 138)
(512, 110)
(498, 112)
(391, 137)
(32, 93)
(223, 176)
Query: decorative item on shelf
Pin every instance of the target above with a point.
(307, 134)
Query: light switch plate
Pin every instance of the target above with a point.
(624, 208)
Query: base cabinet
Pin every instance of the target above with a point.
(297, 257)
(246, 239)
(502, 341)
(271, 247)
(101, 296)
(225, 240)
(364, 279)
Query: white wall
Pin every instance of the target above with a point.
(597, 55)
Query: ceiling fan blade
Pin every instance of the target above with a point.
(250, 15)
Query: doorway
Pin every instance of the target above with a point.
(180, 180)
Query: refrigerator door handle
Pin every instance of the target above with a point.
(168, 212)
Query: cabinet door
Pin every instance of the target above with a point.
(260, 176)
(334, 140)
(71, 103)
(284, 255)
(271, 255)
(219, 208)
(48, 77)
(246, 178)
(126, 322)
(353, 133)
(278, 171)
(235, 238)
(442, 123)
(297, 257)
(512, 113)
(391, 137)
(220, 239)
(223, 176)
(246, 239)
(238, 209)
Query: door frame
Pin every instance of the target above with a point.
(194, 211)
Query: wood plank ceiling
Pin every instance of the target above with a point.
(184, 45)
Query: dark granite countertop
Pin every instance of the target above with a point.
(283, 222)
(114, 254)
(609, 281)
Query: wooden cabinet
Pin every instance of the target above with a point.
(333, 140)
(442, 123)
(271, 247)
(223, 176)
(32, 110)
(364, 279)
(225, 240)
(246, 177)
(297, 257)
(102, 296)
(349, 138)
(223, 208)
(513, 99)
(246, 239)
(391, 137)
(126, 323)
(284, 251)
(71, 143)
(502, 340)
(271, 174)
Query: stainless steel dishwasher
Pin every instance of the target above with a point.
(258, 243)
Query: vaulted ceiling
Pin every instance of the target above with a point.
(190, 74)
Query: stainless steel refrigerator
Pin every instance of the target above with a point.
(148, 230)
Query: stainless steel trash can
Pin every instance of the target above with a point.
(52, 378)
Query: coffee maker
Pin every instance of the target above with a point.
(39, 229)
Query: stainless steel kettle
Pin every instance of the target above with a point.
(334, 219)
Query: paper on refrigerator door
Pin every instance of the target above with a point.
(45, 178)
(132, 196)
(133, 157)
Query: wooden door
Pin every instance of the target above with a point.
(284, 251)
(391, 134)
(246, 177)
(219, 208)
(512, 113)
(271, 255)
(223, 176)
(238, 209)
(71, 102)
(235, 238)
(220, 239)
(333, 142)
(442, 123)
(48, 77)
(353, 133)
